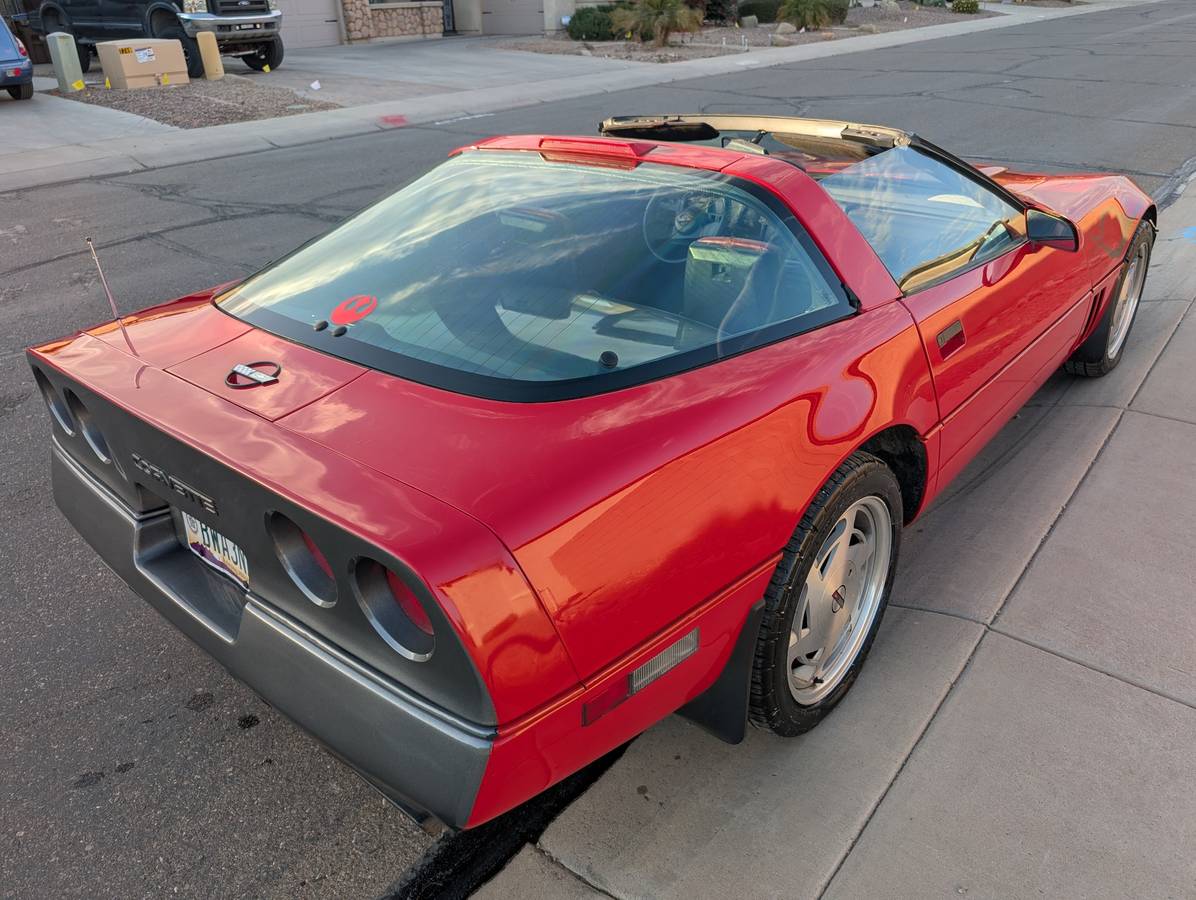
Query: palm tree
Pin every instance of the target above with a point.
(659, 18)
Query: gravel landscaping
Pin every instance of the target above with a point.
(721, 40)
(233, 98)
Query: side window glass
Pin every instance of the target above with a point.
(924, 219)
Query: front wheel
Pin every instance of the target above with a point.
(1101, 353)
(21, 91)
(270, 54)
(826, 599)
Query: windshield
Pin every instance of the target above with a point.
(508, 268)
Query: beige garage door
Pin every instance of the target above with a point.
(512, 16)
(309, 23)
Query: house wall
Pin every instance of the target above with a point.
(468, 14)
(415, 19)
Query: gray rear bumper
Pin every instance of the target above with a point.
(424, 759)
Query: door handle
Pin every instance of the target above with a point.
(951, 339)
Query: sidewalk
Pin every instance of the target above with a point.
(439, 85)
(1025, 724)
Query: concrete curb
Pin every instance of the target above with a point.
(119, 156)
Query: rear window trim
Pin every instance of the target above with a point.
(487, 387)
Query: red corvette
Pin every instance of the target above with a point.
(576, 432)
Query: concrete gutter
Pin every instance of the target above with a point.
(118, 156)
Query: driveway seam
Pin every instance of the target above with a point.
(536, 848)
(1091, 668)
(1155, 361)
(901, 768)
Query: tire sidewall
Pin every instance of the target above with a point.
(871, 479)
(1096, 348)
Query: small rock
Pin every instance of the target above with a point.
(749, 21)
(869, 28)
(888, 6)
(786, 28)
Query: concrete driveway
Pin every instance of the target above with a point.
(386, 72)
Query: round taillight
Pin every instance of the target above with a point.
(88, 428)
(302, 559)
(55, 404)
(394, 609)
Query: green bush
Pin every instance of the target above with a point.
(965, 6)
(591, 23)
(656, 19)
(763, 10)
(813, 14)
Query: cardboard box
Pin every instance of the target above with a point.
(143, 62)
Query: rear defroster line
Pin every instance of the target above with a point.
(460, 863)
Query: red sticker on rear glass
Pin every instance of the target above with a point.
(354, 309)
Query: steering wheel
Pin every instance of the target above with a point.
(673, 220)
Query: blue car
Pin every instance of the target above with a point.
(16, 70)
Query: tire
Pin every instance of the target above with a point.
(190, 49)
(21, 91)
(790, 693)
(270, 54)
(1100, 354)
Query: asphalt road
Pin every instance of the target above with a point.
(130, 764)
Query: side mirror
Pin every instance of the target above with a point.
(1044, 229)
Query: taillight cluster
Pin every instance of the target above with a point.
(388, 601)
(393, 609)
(21, 51)
(72, 415)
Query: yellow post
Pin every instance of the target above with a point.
(213, 66)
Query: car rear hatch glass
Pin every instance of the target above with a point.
(522, 276)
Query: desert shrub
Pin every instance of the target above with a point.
(763, 10)
(808, 14)
(965, 6)
(656, 19)
(591, 23)
(838, 10)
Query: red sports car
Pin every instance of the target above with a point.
(576, 432)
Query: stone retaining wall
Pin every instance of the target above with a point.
(366, 21)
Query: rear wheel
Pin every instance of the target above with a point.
(826, 599)
(269, 54)
(21, 91)
(1101, 353)
(190, 49)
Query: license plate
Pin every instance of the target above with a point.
(216, 550)
(250, 27)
